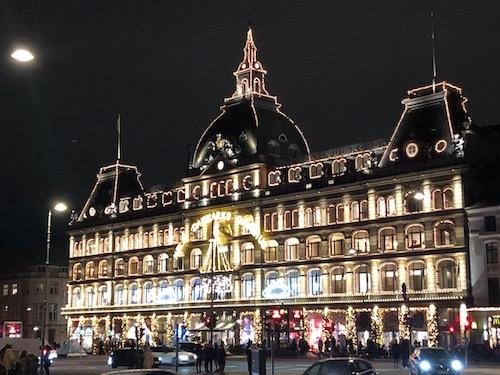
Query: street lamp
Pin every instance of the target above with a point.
(58, 207)
(22, 55)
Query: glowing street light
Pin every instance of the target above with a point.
(60, 207)
(22, 55)
(419, 196)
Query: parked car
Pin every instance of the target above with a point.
(165, 355)
(341, 366)
(140, 372)
(434, 361)
(120, 357)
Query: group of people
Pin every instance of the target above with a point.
(14, 363)
(210, 353)
(400, 351)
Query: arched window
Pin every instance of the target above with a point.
(148, 264)
(363, 210)
(90, 270)
(103, 295)
(389, 278)
(381, 207)
(271, 251)
(287, 220)
(417, 276)
(267, 222)
(214, 190)
(293, 151)
(413, 202)
(196, 289)
(90, 297)
(178, 263)
(256, 85)
(314, 282)
(221, 189)
(292, 249)
(338, 166)
(133, 294)
(447, 274)
(390, 205)
(197, 234)
(163, 263)
(294, 174)
(229, 186)
(313, 244)
(363, 279)
(195, 259)
(292, 280)
(271, 278)
(133, 266)
(316, 170)
(119, 267)
(77, 298)
(437, 199)
(448, 198)
(387, 239)
(354, 211)
(103, 268)
(159, 239)
(295, 219)
(248, 286)
(444, 233)
(316, 216)
(118, 243)
(163, 292)
(336, 244)
(119, 300)
(361, 241)
(338, 280)
(332, 214)
(308, 217)
(145, 240)
(358, 163)
(274, 221)
(77, 272)
(151, 240)
(247, 253)
(91, 248)
(415, 237)
(340, 213)
(148, 296)
(101, 245)
(273, 148)
(179, 290)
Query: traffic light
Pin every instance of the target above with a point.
(451, 329)
(468, 323)
(210, 321)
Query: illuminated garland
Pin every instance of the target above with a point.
(307, 325)
(169, 330)
(432, 325)
(125, 327)
(257, 324)
(154, 327)
(404, 329)
(377, 326)
(350, 321)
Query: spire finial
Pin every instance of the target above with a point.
(434, 68)
(119, 139)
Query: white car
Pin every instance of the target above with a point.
(165, 355)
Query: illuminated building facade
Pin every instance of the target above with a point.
(260, 223)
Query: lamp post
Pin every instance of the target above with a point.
(59, 207)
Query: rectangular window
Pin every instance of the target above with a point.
(494, 291)
(5, 289)
(39, 288)
(267, 222)
(313, 250)
(14, 288)
(337, 247)
(53, 311)
(491, 253)
(271, 254)
(490, 223)
(54, 289)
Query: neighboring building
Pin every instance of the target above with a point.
(260, 224)
(22, 295)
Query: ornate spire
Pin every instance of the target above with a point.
(250, 73)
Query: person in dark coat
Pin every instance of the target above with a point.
(208, 355)
(198, 350)
(396, 353)
(220, 356)
(405, 352)
(132, 357)
(248, 352)
(320, 347)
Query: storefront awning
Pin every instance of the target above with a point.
(220, 326)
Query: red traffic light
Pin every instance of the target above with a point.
(451, 329)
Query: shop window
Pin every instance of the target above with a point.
(292, 279)
(336, 242)
(447, 274)
(195, 259)
(444, 233)
(247, 253)
(313, 244)
(361, 241)
(417, 276)
(292, 249)
(387, 239)
(389, 278)
(415, 237)
(248, 286)
(314, 282)
(338, 280)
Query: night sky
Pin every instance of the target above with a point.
(339, 68)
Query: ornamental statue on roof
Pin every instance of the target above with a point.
(222, 147)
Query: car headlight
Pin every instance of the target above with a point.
(456, 365)
(110, 361)
(160, 359)
(195, 356)
(183, 357)
(425, 366)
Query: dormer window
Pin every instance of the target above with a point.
(137, 204)
(294, 174)
(274, 178)
(411, 150)
(316, 170)
(440, 146)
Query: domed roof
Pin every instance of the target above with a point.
(251, 127)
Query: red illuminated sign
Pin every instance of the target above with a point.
(12, 329)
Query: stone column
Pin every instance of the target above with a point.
(324, 282)
(462, 272)
(426, 189)
(402, 277)
(430, 272)
(111, 244)
(457, 191)
(259, 283)
(349, 284)
(346, 200)
(398, 197)
(375, 277)
(71, 246)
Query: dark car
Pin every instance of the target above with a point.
(121, 357)
(434, 361)
(341, 366)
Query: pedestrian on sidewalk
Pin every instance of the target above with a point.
(220, 355)
(198, 350)
(396, 353)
